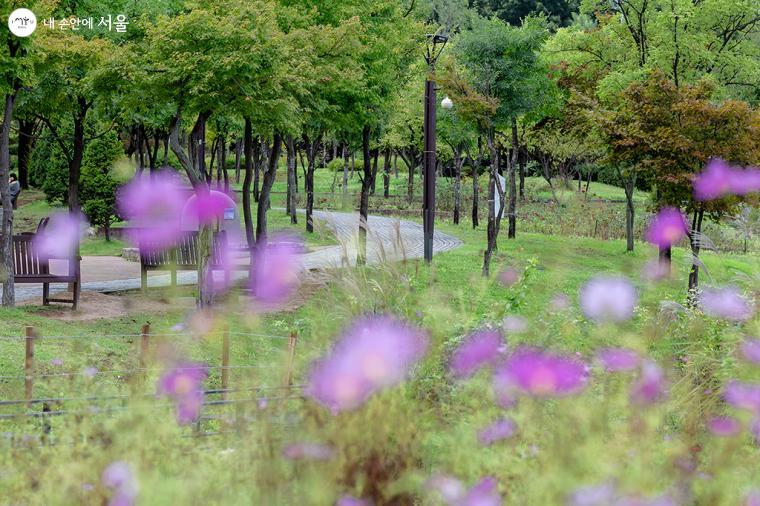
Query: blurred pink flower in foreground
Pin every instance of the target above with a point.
(593, 495)
(308, 451)
(656, 270)
(650, 385)
(559, 302)
(119, 477)
(509, 276)
(751, 350)
(503, 428)
(608, 299)
(61, 236)
(154, 208)
(348, 500)
(480, 349)
(727, 303)
(184, 384)
(724, 426)
(667, 228)
(208, 206)
(276, 270)
(743, 395)
(618, 359)
(375, 352)
(752, 498)
(483, 493)
(542, 374)
(719, 179)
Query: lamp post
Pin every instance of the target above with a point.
(435, 45)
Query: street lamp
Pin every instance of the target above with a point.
(434, 47)
(447, 103)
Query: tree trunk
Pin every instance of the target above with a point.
(494, 218)
(311, 146)
(412, 165)
(237, 161)
(512, 231)
(26, 139)
(345, 168)
(361, 258)
(6, 228)
(387, 173)
(395, 165)
(522, 159)
(291, 191)
(75, 164)
(266, 188)
(375, 156)
(629, 214)
(696, 230)
(247, 181)
(261, 161)
(457, 182)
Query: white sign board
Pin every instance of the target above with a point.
(496, 201)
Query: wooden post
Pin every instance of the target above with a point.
(225, 362)
(288, 381)
(29, 366)
(144, 345)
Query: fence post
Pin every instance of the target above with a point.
(288, 381)
(225, 362)
(29, 365)
(144, 346)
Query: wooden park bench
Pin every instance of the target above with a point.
(184, 256)
(31, 267)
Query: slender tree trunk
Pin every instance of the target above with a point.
(395, 165)
(696, 231)
(457, 182)
(522, 158)
(26, 139)
(311, 146)
(512, 231)
(629, 215)
(494, 218)
(361, 258)
(6, 228)
(237, 161)
(291, 196)
(353, 165)
(387, 173)
(375, 156)
(247, 181)
(75, 164)
(345, 168)
(261, 162)
(266, 188)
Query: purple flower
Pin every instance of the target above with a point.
(650, 385)
(374, 353)
(60, 237)
(118, 476)
(618, 359)
(348, 500)
(154, 208)
(593, 495)
(90, 372)
(503, 428)
(184, 384)
(481, 348)
(715, 181)
(560, 302)
(745, 181)
(514, 324)
(308, 451)
(56, 362)
(542, 374)
(752, 498)
(608, 299)
(667, 228)
(509, 276)
(484, 493)
(205, 208)
(726, 303)
(743, 395)
(656, 270)
(751, 350)
(276, 270)
(450, 488)
(754, 429)
(724, 426)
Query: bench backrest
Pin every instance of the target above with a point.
(184, 254)
(26, 260)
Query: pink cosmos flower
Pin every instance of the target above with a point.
(608, 299)
(593, 495)
(348, 500)
(308, 451)
(655, 270)
(484, 493)
(119, 477)
(184, 384)
(276, 270)
(715, 181)
(726, 303)
(207, 207)
(724, 426)
(450, 488)
(56, 362)
(509, 276)
(504, 428)
(480, 349)
(375, 352)
(505, 391)
(542, 374)
(560, 302)
(61, 236)
(154, 208)
(750, 349)
(752, 498)
(743, 395)
(650, 386)
(667, 228)
(514, 325)
(618, 359)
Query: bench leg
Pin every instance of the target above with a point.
(77, 289)
(45, 294)
(144, 280)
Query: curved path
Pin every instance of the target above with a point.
(388, 239)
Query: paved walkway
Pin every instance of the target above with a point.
(389, 239)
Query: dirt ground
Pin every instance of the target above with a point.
(98, 306)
